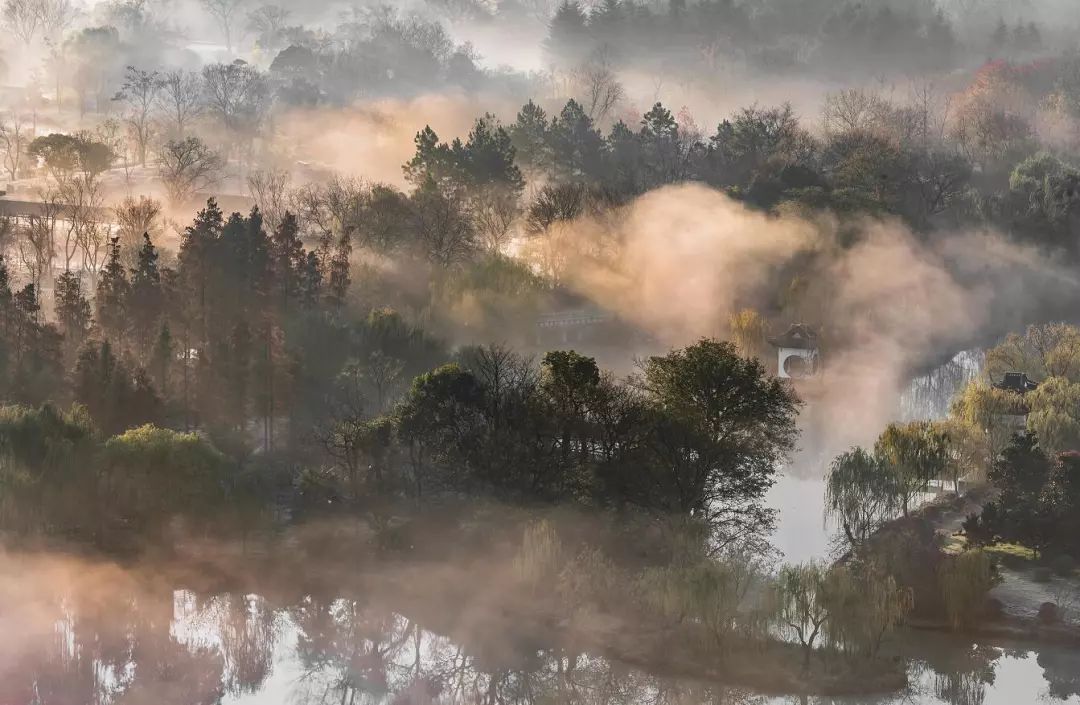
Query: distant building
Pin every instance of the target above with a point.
(798, 352)
(573, 326)
(1016, 382)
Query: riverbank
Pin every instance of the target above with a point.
(466, 587)
(1014, 604)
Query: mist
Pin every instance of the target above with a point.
(527, 351)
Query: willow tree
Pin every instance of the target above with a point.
(965, 581)
(1047, 350)
(802, 593)
(913, 454)
(44, 481)
(706, 592)
(540, 557)
(748, 328)
(859, 494)
(865, 605)
(1055, 414)
(990, 410)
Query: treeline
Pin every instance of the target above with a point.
(250, 338)
(1021, 440)
(974, 159)
(817, 37)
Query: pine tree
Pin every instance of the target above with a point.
(999, 40)
(196, 255)
(239, 369)
(6, 315)
(340, 277)
(25, 310)
(530, 137)
(145, 302)
(112, 295)
(73, 311)
(287, 260)
(310, 282)
(162, 358)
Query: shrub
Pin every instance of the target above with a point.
(1049, 613)
(1063, 565)
(965, 581)
(540, 557)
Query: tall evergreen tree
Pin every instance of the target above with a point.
(110, 302)
(311, 281)
(340, 277)
(287, 261)
(72, 312)
(196, 263)
(145, 302)
(162, 358)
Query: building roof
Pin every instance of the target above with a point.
(12, 208)
(799, 336)
(1016, 382)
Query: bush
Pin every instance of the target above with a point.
(1049, 613)
(1063, 565)
(965, 581)
(1041, 574)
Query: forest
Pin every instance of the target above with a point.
(320, 322)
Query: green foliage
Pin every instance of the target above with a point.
(859, 493)
(913, 454)
(44, 454)
(990, 410)
(866, 605)
(153, 473)
(1039, 501)
(64, 154)
(540, 558)
(484, 160)
(966, 580)
(803, 602)
(703, 591)
(1055, 414)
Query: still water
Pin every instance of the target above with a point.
(75, 631)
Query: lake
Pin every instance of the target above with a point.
(81, 631)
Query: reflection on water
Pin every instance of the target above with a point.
(801, 533)
(80, 633)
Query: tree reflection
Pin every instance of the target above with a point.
(1061, 669)
(963, 678)
(110, 638)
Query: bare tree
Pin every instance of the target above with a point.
(599, 86)
(36, 238)
(23, 18)
(330, 208)
(269, 190)
(13, 140)
(180, 99)
(56, 17)
(186, 166)
(494, 212)
(852, 110)
(7, 233)
(224, 11)
(239, 94)
(267, 23)
(139, 94)
(82, 199)
(443, 230)
(554, 204)
(134, 217)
